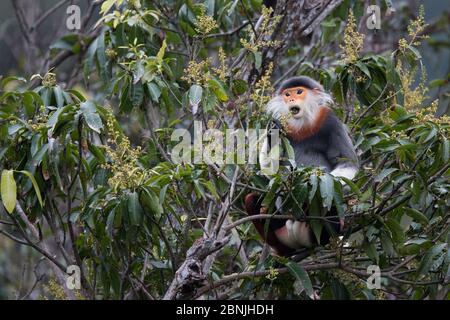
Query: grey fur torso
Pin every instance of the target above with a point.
(309, 154)
(330, 147)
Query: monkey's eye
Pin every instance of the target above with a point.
(299, 91)
(287, 94)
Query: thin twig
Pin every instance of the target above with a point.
(47, 14)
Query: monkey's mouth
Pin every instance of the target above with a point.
(294, 110)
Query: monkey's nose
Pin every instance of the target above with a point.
(294, 109)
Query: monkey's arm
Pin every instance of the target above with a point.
(341, 152)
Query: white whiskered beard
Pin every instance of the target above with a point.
(309, 109)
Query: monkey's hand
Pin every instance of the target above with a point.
(263, 210)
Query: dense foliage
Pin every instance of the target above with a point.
(87, 176)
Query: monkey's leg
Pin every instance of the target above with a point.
(253, 207)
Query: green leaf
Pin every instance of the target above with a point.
(53, 120)
(8, 190)
(218, 90)
(107, 5)
(352, 186)
(195, 97)
(154, 90)
(327, 190)
(371, 251)
(299, 195)
(35, 185)
(210, 186)
(316, 210)
(28, 103)
(258, 59)
(101, 57)
(383, 174)
(396, 230)
(301, 275)
(415, 246)
(289, 151)
(137, 96)
(314, 182)
(77, 94)
(429, 257)
(91, 116)
(361, 66)
(239, 87)
(339, 199)
(445, 150)
(97, 152)
(134, 209)
(415, 52)
(417, 215)
(388, 246)
(151, 202)
(270, 196)
(161, 52)
(58, 96)
(110, 222)
(437, 83)
(125, 104)
(432, 134)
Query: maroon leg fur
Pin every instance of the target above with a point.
(253, 207)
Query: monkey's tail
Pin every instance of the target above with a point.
(253, 207)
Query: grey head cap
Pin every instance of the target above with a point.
(302, 81)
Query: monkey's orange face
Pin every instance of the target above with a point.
(300, 106)
(293, 95)
(295, 99)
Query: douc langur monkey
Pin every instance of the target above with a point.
(319, 139)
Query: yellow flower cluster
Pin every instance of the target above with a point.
(353, 40)
(197, 72)
(263, 89)
(402, 44)
(273, 274)
(111, 53)
(126, 173)
(222, 70)
(256, 46)
(319, 172)
(349, 279)
(284, 118)
(49, 80)
(56, 290)
(429, 115)
(205, 24)
(416, 28)
(413, 97)
(40, 121)
(268, 25)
